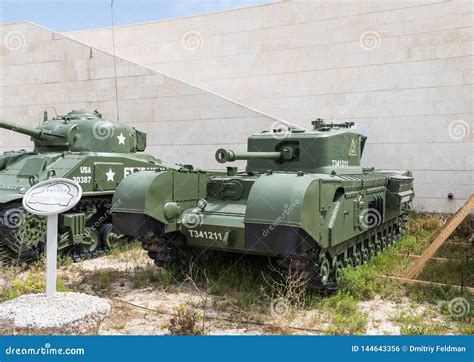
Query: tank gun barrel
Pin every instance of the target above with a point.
(33, 132)
(223, 155)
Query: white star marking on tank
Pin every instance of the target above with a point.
(110, 175)
(121, 139)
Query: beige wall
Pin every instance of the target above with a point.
(403, 70)
(185, 124)
(294, 60)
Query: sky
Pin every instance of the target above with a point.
(72, 15)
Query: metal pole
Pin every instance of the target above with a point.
(51, 255)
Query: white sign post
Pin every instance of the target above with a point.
(50, 198)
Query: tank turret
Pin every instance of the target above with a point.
(80, 146)
(82, 131)
(327, 148)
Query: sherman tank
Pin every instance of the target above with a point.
(80, 146)
(304, 199)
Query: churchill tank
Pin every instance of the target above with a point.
(304, 200)
(81, 146)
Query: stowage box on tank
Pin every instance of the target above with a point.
(303, 199)
(81, 146)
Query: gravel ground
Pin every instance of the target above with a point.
(92, 315)
(381, 314)
(64, 313)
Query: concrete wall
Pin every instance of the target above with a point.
(185, 124)
(403, 70)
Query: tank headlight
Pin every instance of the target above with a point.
(171, 210)
(201, 204)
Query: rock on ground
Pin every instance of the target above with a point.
(381, 315)
(64, 313)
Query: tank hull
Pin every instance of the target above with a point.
(322, 219)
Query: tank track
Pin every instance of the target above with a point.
(14, 252)
(323, 270)
(170, 251)
(319, 269)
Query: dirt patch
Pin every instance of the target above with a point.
(385, 317)
(126, 261)
(148, 310)
(381, 315)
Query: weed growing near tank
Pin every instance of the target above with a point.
(32, 284)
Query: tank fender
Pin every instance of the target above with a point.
(132, 192)
(280, 200)
(155, 197)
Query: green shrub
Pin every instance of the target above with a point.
(360, 283)
(344, 315)
(185, 322)
(417, 324)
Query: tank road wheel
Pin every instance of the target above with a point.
(324, 269)
(365, 256)
(379, 248)
(396, 237)
(372, 250)
(91, 241)
(339, 270)
(395, 234)
(110, 237)
(389, 239)
(401, 223)
(357, 259)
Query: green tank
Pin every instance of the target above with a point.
(80, 146)
(303, 199)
